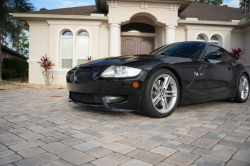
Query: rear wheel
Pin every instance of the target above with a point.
(161, 94)
(242, 91)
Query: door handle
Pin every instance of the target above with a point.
(229, 68)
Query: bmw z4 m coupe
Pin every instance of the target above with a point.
(175, 74)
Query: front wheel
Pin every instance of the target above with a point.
(242, 91)
(161, 94)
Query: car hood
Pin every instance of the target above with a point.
(143, 61)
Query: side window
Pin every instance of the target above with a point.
(225, 56)
(212, 49)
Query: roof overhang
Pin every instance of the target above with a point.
(30, 17)
(240, 24)
(101, 5)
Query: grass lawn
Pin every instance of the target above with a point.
(14, 79)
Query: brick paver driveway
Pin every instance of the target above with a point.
(37, 129)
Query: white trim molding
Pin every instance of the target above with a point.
(143, 5)
(204, 22)
(37, 23)
(204, 34)
(32, 61)
(73, 22)
(23, 16)
(138, 34)
(204, 27)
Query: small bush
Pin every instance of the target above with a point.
(17, 64)
(6, 74)
(24, 76)
(13, 73)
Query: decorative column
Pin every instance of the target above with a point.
(170, 34)
(115, 40)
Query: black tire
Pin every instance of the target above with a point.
(238, 97)
(147, 107)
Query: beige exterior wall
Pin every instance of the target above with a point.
(246, 41)
(39, 45)
(222, 33)
(104, 41)
(180, 34)
(45, 39)
(162, 14)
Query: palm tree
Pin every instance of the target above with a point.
(6, 22)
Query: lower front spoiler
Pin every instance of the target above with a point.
(104, 105)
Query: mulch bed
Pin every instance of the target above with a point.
(18, 85)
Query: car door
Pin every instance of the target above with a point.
(218, 74)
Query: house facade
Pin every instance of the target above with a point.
(120, 27)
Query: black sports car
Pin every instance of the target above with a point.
(179, 73)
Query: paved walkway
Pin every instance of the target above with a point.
(37, 129)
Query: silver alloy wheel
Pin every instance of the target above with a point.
(164, 93)
(244, 87)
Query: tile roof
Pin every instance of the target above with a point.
(201, 11)
(209, 12)
(82, 10)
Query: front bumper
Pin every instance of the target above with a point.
(94, 93)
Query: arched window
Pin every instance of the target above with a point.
(200, 38)
(67, 50)
(82, 47)
(214, 40)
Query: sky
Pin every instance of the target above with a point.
(55, 4)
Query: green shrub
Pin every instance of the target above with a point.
(6, 74)
(17, 64)
(13, 73)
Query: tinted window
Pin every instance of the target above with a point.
(185, 49)
(225, 56)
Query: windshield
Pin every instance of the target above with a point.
(185, 49)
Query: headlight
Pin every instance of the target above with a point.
(120, 71)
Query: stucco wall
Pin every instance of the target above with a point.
(39, 45)
(246, 57)
(45, 39)
(180, 34)
(104, 41)
(123, 12)
(223, 34)
(237, 39)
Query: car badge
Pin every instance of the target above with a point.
(162, 93)
(196, 74)
(201, 74)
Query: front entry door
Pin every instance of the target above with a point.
(137, 45)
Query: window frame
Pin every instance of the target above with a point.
(213, 41)
(60, 52)
(200, 40)
(77, 33)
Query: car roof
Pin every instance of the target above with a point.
(207, 43)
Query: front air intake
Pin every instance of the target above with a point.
(83, 75)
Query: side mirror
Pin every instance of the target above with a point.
(214, 55)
